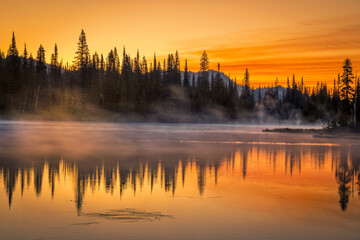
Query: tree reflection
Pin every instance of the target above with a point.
(169, 171)
(343, 177)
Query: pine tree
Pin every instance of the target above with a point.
(82, 62)
(259, 96)
(294, 85)
(55, 69)
(186, 75)
(346, 93)
(13, 49)
(41, 59)
(25, 55)
(176, 69)
(82, 54)
(357, 102)
(246, 85)
(203, 81)
(246, 97)
(117, 60)
(25, 77)
(203, 90)
(25, 66)
(346, 90)
(41, 75)
(169, 76)
(13, 81)
(55, 57)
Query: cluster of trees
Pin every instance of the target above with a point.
(133, 85)
(337, 105)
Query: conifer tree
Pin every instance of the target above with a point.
(176, 66)
(259, 96)
(40, 65)
(203, 90)
(203, 81)
(246, 94)
(82, 61)
(25, 66)
(41, 74)
(186, 75)
(13, 51)
(82, 54)
(246, 84)
(346, 90)
(25, 55)
(13, 81)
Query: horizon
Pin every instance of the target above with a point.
(271, 39)
(236, 79)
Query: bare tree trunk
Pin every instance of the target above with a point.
(24, 106)
(355, 110)
(37, 97)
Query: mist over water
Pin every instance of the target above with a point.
(63, 180)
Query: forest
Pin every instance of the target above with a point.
(102, 87)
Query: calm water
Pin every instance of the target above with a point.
(147, 181)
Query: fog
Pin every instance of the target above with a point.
(29, 140)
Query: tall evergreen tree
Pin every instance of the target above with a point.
(41, 75)
(203, 86)
(82, 61)
(186, 75)
(203, 81)
(246, 93)
(55, 69)
(346, 90)
(13, 81)
(55, 57)
(13, 51)
(176, 66)
(83, 53)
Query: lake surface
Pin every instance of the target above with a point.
(68, 180)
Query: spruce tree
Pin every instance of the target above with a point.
(13, 82)
(203, 81)
(41, 75)
(186, 75)
(55, 69)
(203, 90)
(346, 89)
(13, 51)
(82, 54)
(247, 100)
(176, 69)
(346, 92)
(82, 61)
(246, 84)
(25, 55)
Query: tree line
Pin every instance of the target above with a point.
(136, 85)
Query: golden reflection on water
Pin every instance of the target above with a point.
(159, 183)
(268, 166)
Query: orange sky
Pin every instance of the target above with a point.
(272, 38)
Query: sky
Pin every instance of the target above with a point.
(272, 38)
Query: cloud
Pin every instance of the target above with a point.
(313, 49)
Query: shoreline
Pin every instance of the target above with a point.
(341, 133)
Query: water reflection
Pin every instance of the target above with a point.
(209, 163)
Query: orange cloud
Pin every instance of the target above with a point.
(315, 51)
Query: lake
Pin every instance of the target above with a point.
(73, 180)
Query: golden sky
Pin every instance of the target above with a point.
(273, 38)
